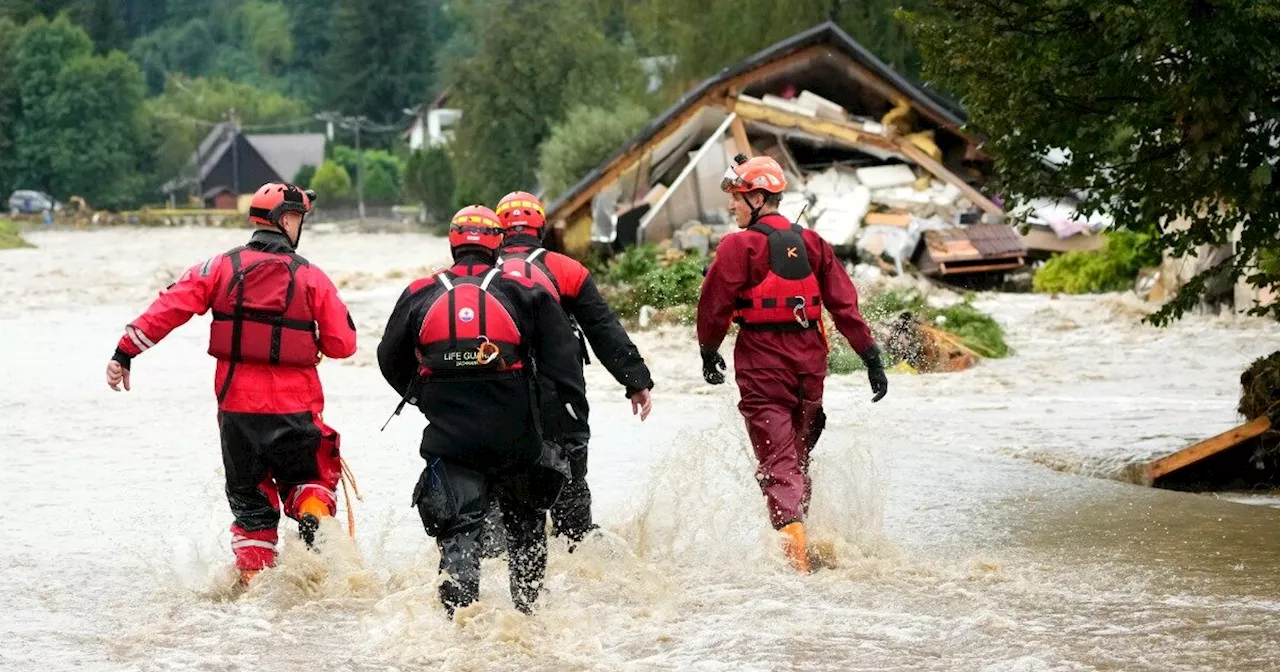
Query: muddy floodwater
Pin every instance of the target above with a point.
(971, 517)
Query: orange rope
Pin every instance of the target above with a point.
(348, 475)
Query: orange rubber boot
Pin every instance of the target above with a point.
(246, 575)
(310, 511)
(794, 545)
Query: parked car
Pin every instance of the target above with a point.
(29, 202)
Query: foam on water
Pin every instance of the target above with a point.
(940, 552)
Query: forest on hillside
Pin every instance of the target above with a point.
(108, 99)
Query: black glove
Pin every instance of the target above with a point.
(875, 372)
(713, 367)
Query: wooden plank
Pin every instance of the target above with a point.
(958, 270)
(740, 136)
(1206, 448)
(689, 169)
(849, 133)
(938, 170)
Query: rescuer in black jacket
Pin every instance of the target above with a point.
(466, 346)
(522, 215)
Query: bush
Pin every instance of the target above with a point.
(587, 136)
(639, 277)
(331, 182)
(1112, 269)
(379, 185)
(11, 235)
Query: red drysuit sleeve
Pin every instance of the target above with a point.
(726, 277)
(333, 319)
(190, 295)
(840, 298)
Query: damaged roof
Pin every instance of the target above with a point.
(827, 34)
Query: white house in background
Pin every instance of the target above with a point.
(432, 124)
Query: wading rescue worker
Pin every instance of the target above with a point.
(274, 315)
(773, 279)
(464, 346)
(522, 254)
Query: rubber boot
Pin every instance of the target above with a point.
(794, 541)
(310, 511)
(246, 575)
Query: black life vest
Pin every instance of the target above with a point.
(261, 315)
(469, 332)
(789, 298)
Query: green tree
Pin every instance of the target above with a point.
(263, 29)
(331, 183)
(43, 50)
(10, 104)
(186, 49)
(514, 88)
(587, 136)
(429, 180)
(100, 130)
(381, 60)
(1151, 111)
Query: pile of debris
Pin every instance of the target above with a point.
(876, 190)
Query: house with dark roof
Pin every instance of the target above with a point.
(229, 163)
(817, 102)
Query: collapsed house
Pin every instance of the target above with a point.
(876, 164)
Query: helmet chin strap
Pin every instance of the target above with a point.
(293, 241)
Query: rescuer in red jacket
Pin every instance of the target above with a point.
(274, 314)
(773, 279)
(522, 254)
(466, 346)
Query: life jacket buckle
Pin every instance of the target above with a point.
(487, 351)
(798, 311)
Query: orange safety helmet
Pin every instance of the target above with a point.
(475, 225)
(760, 172)
(521, 208)
(273, 199)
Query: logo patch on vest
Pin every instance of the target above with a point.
(792, 253)
(466, 314)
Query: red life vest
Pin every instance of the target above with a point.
(531, 265)
(788, 299)
(261, 315)
(468, 331)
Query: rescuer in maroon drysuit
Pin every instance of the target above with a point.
(274, 314)
(773, 279)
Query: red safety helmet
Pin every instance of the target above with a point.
(760, 172)
(475, 225)
(273, 199)
(521, 208)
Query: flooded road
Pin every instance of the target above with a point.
(955, 547)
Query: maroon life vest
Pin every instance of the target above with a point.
(531, 264)
(788, 299)
(469, 332)
(261, 315)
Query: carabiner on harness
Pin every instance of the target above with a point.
(798, 311)
(487, 351)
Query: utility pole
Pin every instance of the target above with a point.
(235, 153)
(359, 121)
